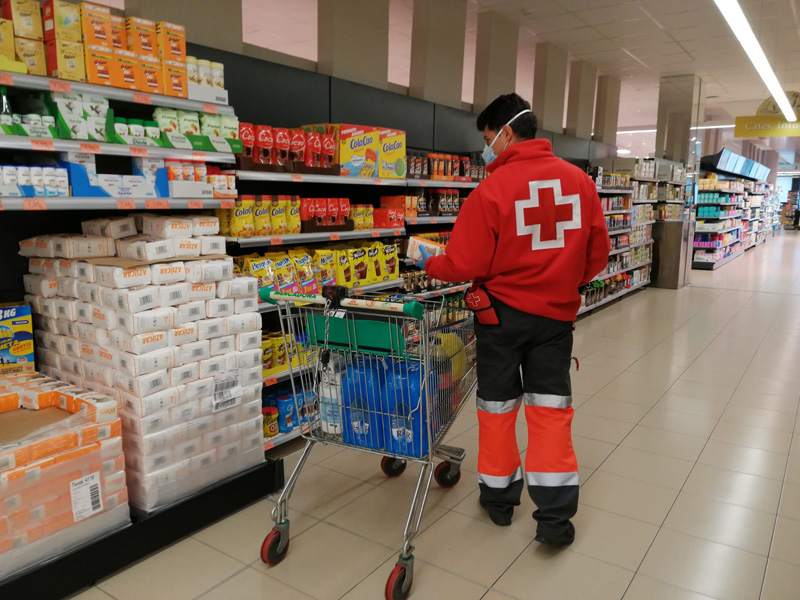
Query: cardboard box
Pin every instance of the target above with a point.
(142, 37)
(171, 41)
(62, 21)
(65, 60)
(392, 155)
(119, 33)
(96, 25)
(101, 67)
(16, 338)
(152, 75)
(357, 149)
(27, 18)
(129, 70)
(174, 78)
(7, 39)
(414, 243)
(32, 54)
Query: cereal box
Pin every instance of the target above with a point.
(356, 150)
(392, 155)
(62, 21)
(16, 338)
(96, 25)
(27, 18)
(65, 60)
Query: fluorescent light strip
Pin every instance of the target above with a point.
(738, 23)
(702, 127)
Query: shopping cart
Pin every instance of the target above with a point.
(388, 378)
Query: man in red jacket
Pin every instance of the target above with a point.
(528, 237)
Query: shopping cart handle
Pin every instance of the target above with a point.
(271, 296)
(414, 309)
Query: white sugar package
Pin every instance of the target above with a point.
(207, 271)
(84, 314)
(67, 308)
(72, 347)
(245, 305)
(45, 246)
(108, 296)
(203, 291)
(172, 272)
(212, 244)
(248, 359)
(35, 302)
(49, 307)
(88, 292)
(149, 404)
(158, 319)
(85, 332)
(239, 287)
(195, 351)
(203, 225)
(143, 385)
(68, 287)
(104, 318)
(219, 307)
(142, 247)
(201, 388)
(40, 285)
(243, 323)
(187, 247)
(184, 374)
(141, 364)
(139, 343)
(190, 312)
(134, 300)
(119, 277)
(250, 376)
(174, 293)
(68, 328)
(98, 373)
(116, 228)
(36, 266)
(27, 247)
(211, 367)
(83, 246)
(222, 345)
(102, 337)
(211, 328)
(67, 268)
(86, 272)
(248, 340)
(182, 335)
(167, 227)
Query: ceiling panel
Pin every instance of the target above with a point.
(566, 38)
(554, 23)
(632, 27)
(610, 14)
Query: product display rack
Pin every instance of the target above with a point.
(37, 203)
(310, 238)
(711, 266)
(430, 220)
(338, 180)
(625, 270)
(617, 296)
(454, 289)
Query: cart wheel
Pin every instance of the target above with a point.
(444, 478)
(392, 467)
(394, 585)
(269, 549)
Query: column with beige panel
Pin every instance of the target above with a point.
(495, 59)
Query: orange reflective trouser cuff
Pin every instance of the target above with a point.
(499, 463)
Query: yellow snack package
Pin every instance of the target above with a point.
(369, 221)
(266, 351)
(262, 222)
(325, 267)
(277, 215)
(262, 268)
(285, 278)
(224, 216)
(293, 223)
(242, 217)
(304, 269)
(375, 267)
(358, 215)
(341, 264)
(358, 264)
(390, 261)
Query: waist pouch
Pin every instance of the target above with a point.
(480, 302)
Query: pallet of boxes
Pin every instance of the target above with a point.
(145, 309)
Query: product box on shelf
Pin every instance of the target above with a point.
(119, 34)
(392, 155)
(32, 53)
(62, 21)
(65, 60)
(356, 148)
(96, 25)
(142, 37)
(7, 39)
(16, 339)
(26, 16)
(152, 75)
(171, 41)
(101, 68)
(131, 76)
(174, 78)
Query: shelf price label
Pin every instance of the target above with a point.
(58, 85)
(211, 109)
(126, 204)
(199, 156)
(226, 203)
(276, 241)
(335, 237)
(34, 204)
(398, 232)
(139, 151)
(6, 79)
(90, 148)
(412, 221)
(43, 145)
(376, 233)
(297, 178)
(1, 205)
(141, 98)
(160, 203)
(378, 181)
(423, 183)
(196, 204)
(270, 381)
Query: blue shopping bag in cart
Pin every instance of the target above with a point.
(363, 391)
(406, 421)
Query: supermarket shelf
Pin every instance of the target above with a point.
(286, 375)
(640, 244)
(282, 438)
(376, 287)
(722, 218)
(614, 190)
(620, 271)
(711, 266)
(586, 309)
(433, 183)
(620, 231)
(696, 247)
(669, 220)
(436, 293)
(645, 179)
(644, 223)
(670, 202)
(646, 201)
(339, 180)
(618, 212)
(697, 230)
(430, 220)
(718, 204)
(310, 238)
(33, 82)
(21, 142)
(681, 183)
(266, 307)
(699, 191)
(631, 247)
(758, 243)
(81, 203)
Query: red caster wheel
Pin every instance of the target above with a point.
(392, 467)
(396, 583)
(444, 477)
(271, 551)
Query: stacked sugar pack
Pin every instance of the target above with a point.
(62, 471)
(165, 330)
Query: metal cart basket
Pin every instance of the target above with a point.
(388, 378)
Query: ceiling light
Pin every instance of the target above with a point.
(623, 151)
(715, 127)
(637, 131)
(733, 14)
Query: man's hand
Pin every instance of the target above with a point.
(424, 258)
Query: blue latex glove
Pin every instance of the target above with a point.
(425, 256)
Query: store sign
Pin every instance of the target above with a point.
(765, 126)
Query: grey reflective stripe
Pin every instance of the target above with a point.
(499, 408)
(551, 479)
(548, 400)
(501, 481)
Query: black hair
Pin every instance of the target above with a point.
(502, 110)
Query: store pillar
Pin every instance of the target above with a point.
(437, 51)
(353, 40)
(712, 141)
(580, 107)
(680, 107)
(606, 113)
(549, 83)
(204, 23)
(495, 59)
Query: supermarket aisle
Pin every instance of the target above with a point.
(685, 432)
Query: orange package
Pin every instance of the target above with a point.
(152, 75)
(100, 431)
(101, 68)
(171, 41)
(129, 69)
(142, 37)
(9, 401)
(96, 25)
(175, 81)
(119, 33)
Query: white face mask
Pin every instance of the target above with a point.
(488, 153)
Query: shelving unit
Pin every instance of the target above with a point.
(430, 220)
(617, 296)
(462, 287)
(338, 180)
(126, 204)
(310, 238)
(620, 271)
(711, 266)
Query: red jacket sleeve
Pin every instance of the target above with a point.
(470, 250)
(599, 243)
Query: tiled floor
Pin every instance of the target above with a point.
(687, 436)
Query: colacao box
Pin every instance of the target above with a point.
(142, 37)
(392, 155)
(119, 33)
(101, 68)
(26, 16)
(7, 39)
(62, 21)
(152, 75)
(65, 60)
(129, 69)
(171, 41)
(357, 148)
(174, 77)
(32, 54)
(96, 25)
(16, 338)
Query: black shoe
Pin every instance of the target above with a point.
(499, 517)
(560, 540)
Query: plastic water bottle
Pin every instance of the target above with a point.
(330, 404)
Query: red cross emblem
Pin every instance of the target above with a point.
(473, 300)
(547, 214)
